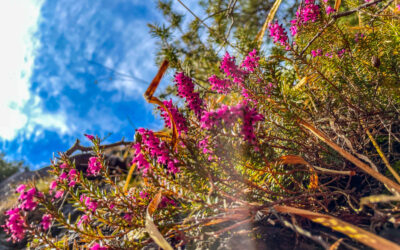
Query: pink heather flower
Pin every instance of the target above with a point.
(89, 203)
(97, 246)
(294, 28)
(306, 13)
(229, 67)
(59, 193)
(278, 33)
(64, 165)
(204, 146)
(341, 52)
(27, 200)
(166, 201)
(157, 149)
(21, 188)
(144, 195)
(186, 90)
(222, 86)
(63, 176)
(15, 225)
(251, 61)
(53, 185)
(180, 121)
(46, 221)
(316, 53)
(398, 7)
(329, 54)
(128, 217)
(72, 177)
(90, 137)
(83, 219)
(94, 166)
(139, 159)
(228, 115)
(112, 206)
(329, 10)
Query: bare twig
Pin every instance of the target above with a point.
(77, 146)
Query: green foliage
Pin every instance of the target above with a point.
(8, 168)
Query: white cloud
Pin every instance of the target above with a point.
(18, 21)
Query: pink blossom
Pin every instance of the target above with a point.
(139, 159)
(329, 10)
(309, 12)
(15, 225)
(83, 219)
(329, 54)
(72, 177)
(90, 137)
(180, 121)
(128, 217)
(53, 185)
(157, 149)
(97, 246)
(63, 176)
(316, 53)
(228, 115)
(229, 67)
(204, 146)
(144, 195)
(21, 188)
(251, 61)
(59, 193)
(341, 52)
(46, 221)
(186, 90)
(89, 203)
(27, 200)
(112, 206)
(222, 86)
(166, 201)
(278, 33)
(63, 165)
(94, 166)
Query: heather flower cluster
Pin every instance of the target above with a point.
(94, 166)
(309, 12)
(186, 90)
(278, 33)
(89, 203)
(46, 221)
(316, 53)
(226, 116)
(229, 67)
(15, 225)
(250, 63)
(156, 148)
(222, 86)
(180, 121)
(205, 148)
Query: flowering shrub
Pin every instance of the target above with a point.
(290, 133)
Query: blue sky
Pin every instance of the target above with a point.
(73, 67)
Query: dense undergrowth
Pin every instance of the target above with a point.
(304, 133)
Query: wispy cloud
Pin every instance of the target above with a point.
(85, 70)
(18, 21)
